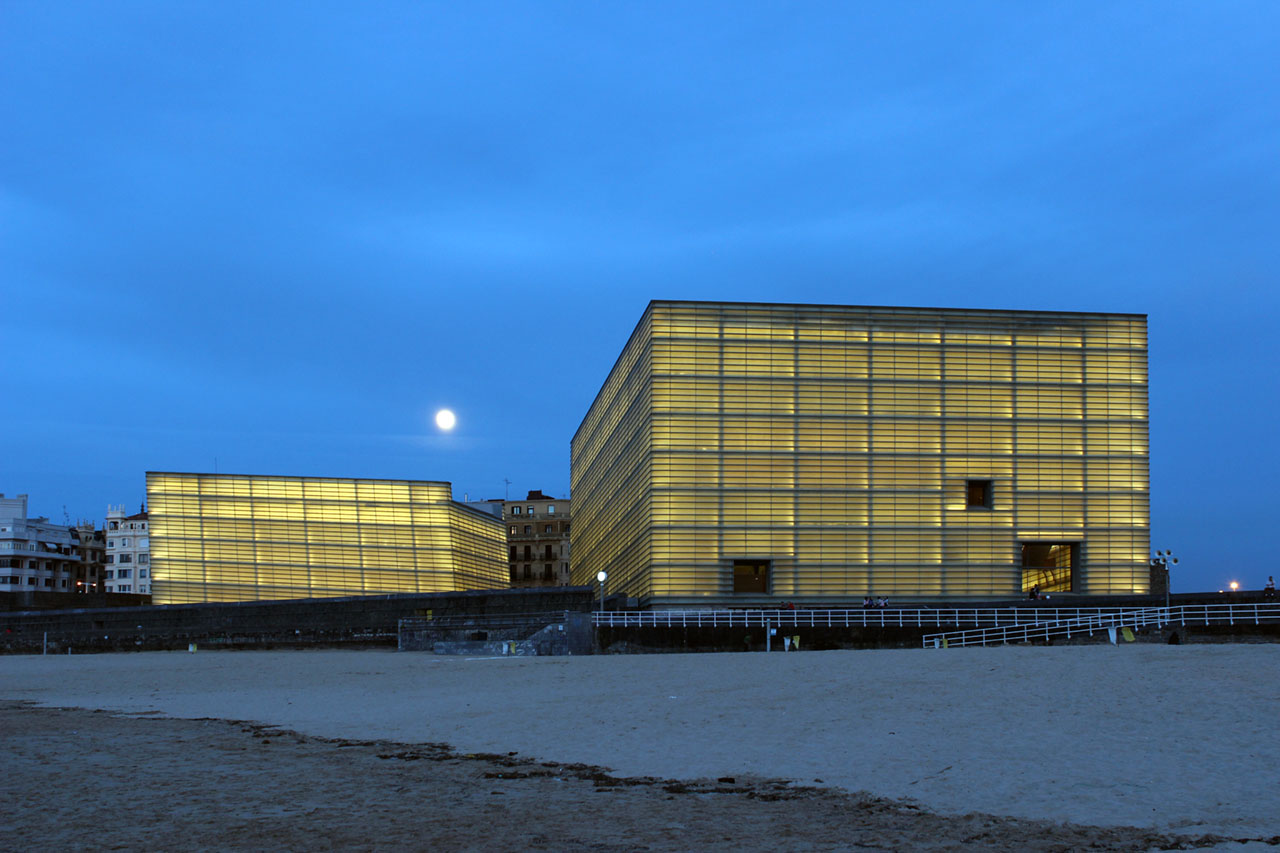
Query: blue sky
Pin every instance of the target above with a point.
(280, 235)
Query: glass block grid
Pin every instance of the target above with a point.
(839, 443)
(223, 537)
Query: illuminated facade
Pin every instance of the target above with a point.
(222, 537)
(745, 453)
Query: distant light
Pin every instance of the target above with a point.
(601, 576)
(446, 420)
(1234, 586)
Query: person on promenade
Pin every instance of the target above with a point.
(866, 602)
(1269, 591)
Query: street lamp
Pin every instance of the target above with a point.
(602, 577)
(1163, 560)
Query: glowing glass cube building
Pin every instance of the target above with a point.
(222, 537)
(745, 453)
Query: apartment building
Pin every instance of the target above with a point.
(538, 529)
(35, 554)
(128, 552)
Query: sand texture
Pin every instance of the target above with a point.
(1174, 741)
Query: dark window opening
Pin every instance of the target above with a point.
(548, 573)
(751, 576)
(528, 549)
(1047, 566)
(978, 494)
(513, 552)
(528, 573)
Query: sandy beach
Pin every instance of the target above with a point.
(1119, 747)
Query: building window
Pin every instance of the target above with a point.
(528, 572)
(515, 510)
(512, 555)
(111, 558)
(546, 529)
(515, 576)
(142, 573)
(124, 573)
(566, 527)
(144, 558)
(512, 530)
(551, 509)
(547, 554)
(1047, 566)
(64, 583)
(548, 573)
(528, 528)
(31, 581)
(978, 494)
(111, 543)
(751, 576)
(110, 574)
(126, 558)
(124, 543)
(125, 588)
(526, 552)
(142, 588)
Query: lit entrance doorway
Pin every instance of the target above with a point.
(1049, 566)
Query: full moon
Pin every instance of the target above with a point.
(445, 419)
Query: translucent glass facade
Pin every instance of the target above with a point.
(221, 537)
(827, 453)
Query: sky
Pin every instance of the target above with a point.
(275, 238)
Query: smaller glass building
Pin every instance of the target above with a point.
(225, 537)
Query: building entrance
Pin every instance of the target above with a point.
(751, 576)
(1049, 566)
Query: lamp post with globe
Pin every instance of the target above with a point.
(602, 577)
(1163, 560)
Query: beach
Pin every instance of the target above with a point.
(1120, 747)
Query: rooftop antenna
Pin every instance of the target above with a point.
(506, 494)
(66, 519)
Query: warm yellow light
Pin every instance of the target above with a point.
(1234, 586)
(446, 420)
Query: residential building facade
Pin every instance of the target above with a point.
(91, 546)
(35, 554)
(745, 453)
(128, 554)
(224, 537)
(538, 529)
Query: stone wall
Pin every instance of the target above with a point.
(363, 620)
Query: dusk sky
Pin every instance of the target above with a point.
(281, 235)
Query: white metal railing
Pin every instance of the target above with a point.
(900, 617)
(1035, 620)
(1105, 619)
